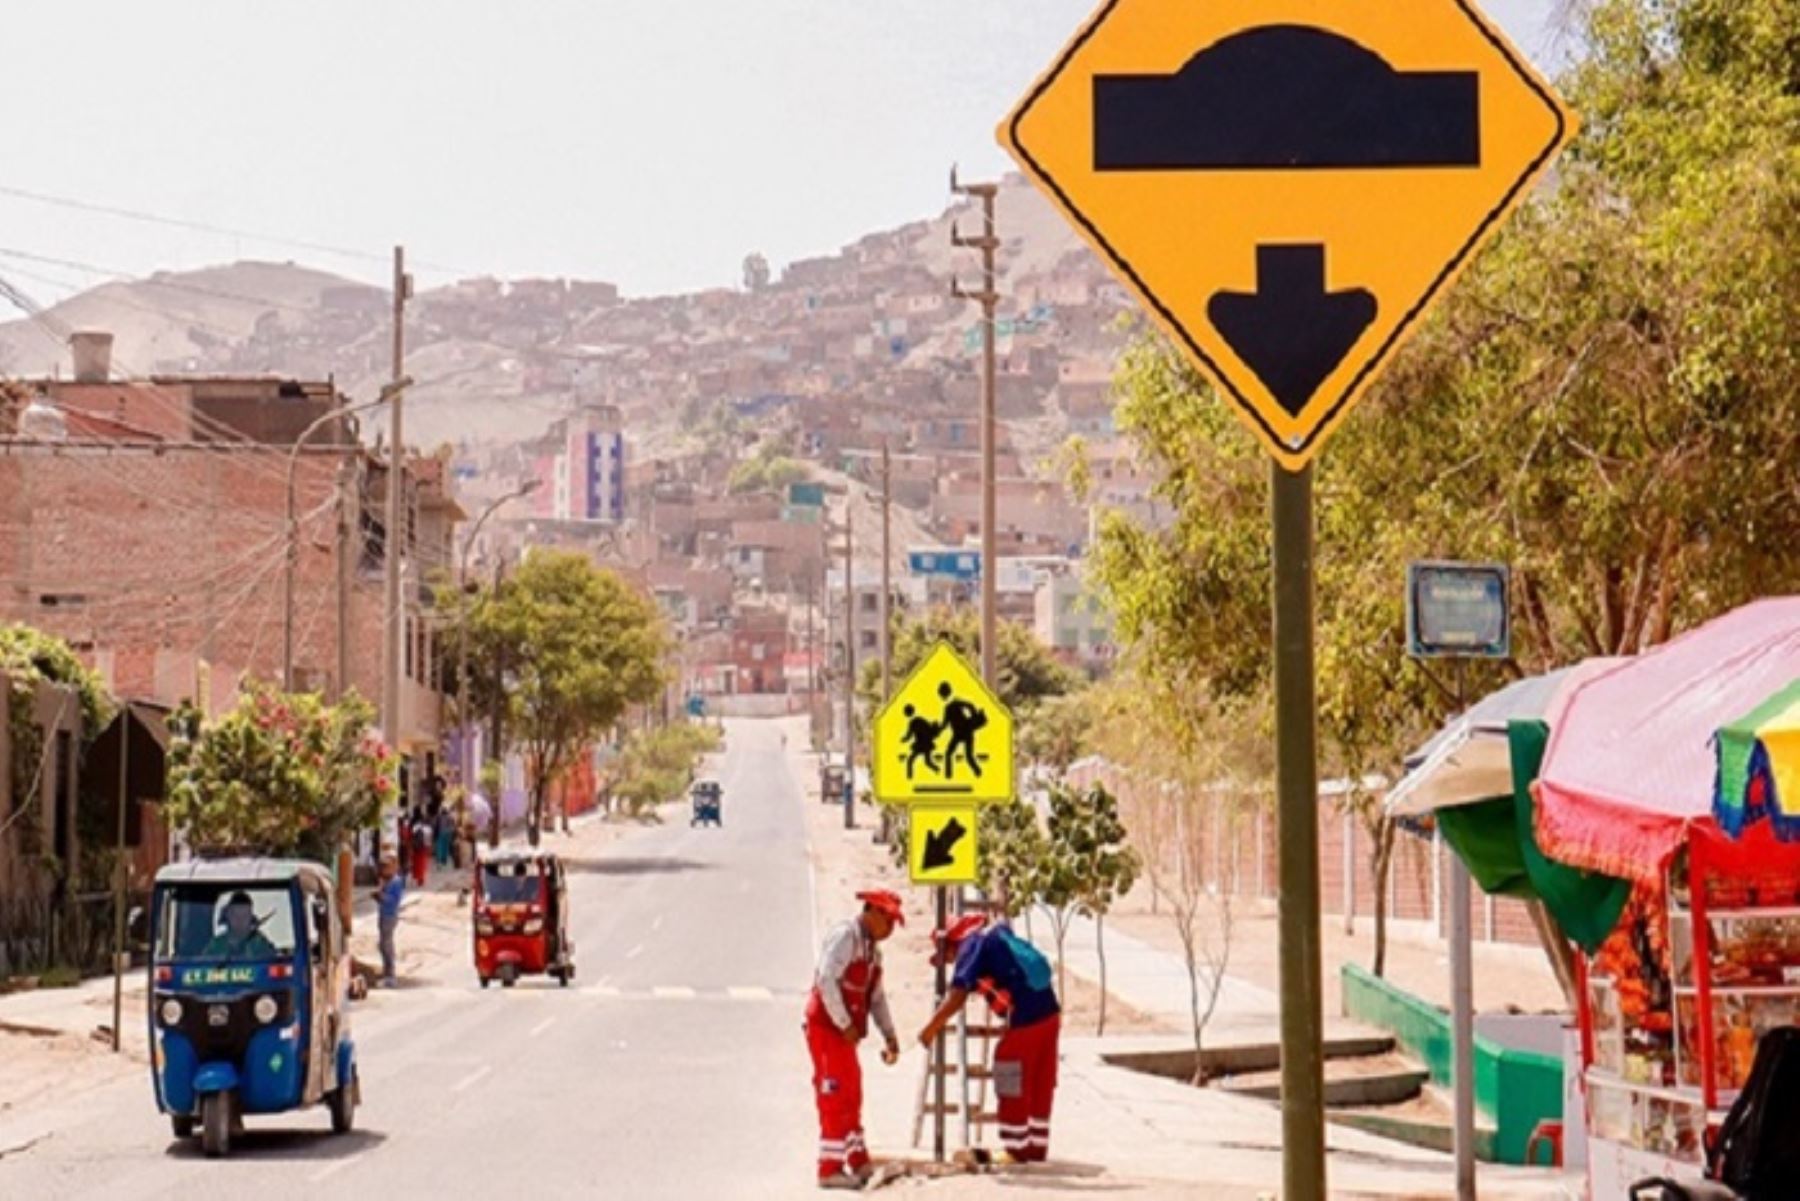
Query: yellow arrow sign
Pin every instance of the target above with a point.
(1288, 185)
(943, 737)
(942, 844)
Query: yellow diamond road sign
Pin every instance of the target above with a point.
(942, 847)
(1288, 185)
(943, 737)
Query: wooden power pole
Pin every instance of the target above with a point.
(988, 243)
(393, 624)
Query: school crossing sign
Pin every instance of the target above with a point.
(943, 737)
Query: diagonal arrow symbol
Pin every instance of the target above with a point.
(1291, 331)
(939, 845)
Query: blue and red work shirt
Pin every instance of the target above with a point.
(1011, 968)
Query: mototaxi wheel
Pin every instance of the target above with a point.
(215, 1124)
(343, 1106)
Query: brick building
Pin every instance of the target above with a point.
(152, 537)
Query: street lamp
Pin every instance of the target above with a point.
(462, 675)
(388, 392)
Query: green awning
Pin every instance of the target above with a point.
(1586, 904)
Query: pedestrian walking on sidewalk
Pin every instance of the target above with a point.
(420, 833)
(387, 903)
(1016, 981)
(445, 834)
(846, 994)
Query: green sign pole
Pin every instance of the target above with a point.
(1297, 799)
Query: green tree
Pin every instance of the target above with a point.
(1028, 672)
(1013, 848)
(1086, 866)
(280, 774)
(767, 470)
(656, 765)
(30, 658)
(579, 646)
(1058, 731)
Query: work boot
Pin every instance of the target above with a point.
(843, 1180)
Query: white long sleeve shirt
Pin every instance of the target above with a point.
(846, 943)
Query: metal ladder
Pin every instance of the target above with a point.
(970, 1075)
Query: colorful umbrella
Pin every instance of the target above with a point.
(1759, 767)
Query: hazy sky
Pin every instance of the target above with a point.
(649, 142)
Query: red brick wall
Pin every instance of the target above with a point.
(177, 552)
(1410, 870)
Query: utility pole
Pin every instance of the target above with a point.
(121, 869)
(887, 588)
(988, 243)
(393, 624)
(849, 670)
(346, 514)
(498, 751)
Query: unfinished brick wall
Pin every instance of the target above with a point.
(1411, 874)
(137, 554)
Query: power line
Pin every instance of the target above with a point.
(149, 218)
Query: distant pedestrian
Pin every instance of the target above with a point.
(387, 903)
(445, 833)
(421, 847)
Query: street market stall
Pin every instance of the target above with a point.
(1679, 771)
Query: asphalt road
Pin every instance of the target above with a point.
(674, 1067)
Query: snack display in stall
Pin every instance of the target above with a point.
(1654, 1083)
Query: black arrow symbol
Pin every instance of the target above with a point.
(1291, 331)
(939, 844)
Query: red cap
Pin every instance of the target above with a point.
(884, 901)
(946, 941)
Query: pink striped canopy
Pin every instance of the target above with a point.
(1631, 765)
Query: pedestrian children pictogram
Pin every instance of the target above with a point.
(942, 846)
(1288, 186)
(943, 737)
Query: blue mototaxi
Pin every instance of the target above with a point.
(708, 800)
(249, 992)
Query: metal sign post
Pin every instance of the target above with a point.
(1297, 807)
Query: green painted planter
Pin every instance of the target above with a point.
(1515, 1089)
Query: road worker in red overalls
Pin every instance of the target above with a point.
(846, 993)
(1015, 979)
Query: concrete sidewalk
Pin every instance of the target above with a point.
(1154, 981)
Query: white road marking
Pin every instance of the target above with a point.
(542, 1026)
(635, 951)
(673, 993)
(656, 923)
(472, 1079)
(750, 993)
(603, 990)
(330, 1170)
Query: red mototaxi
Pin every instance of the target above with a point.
(520, 906)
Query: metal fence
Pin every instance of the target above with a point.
(37, 934)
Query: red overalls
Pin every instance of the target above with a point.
(837, 1073)
(1025, 1083)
